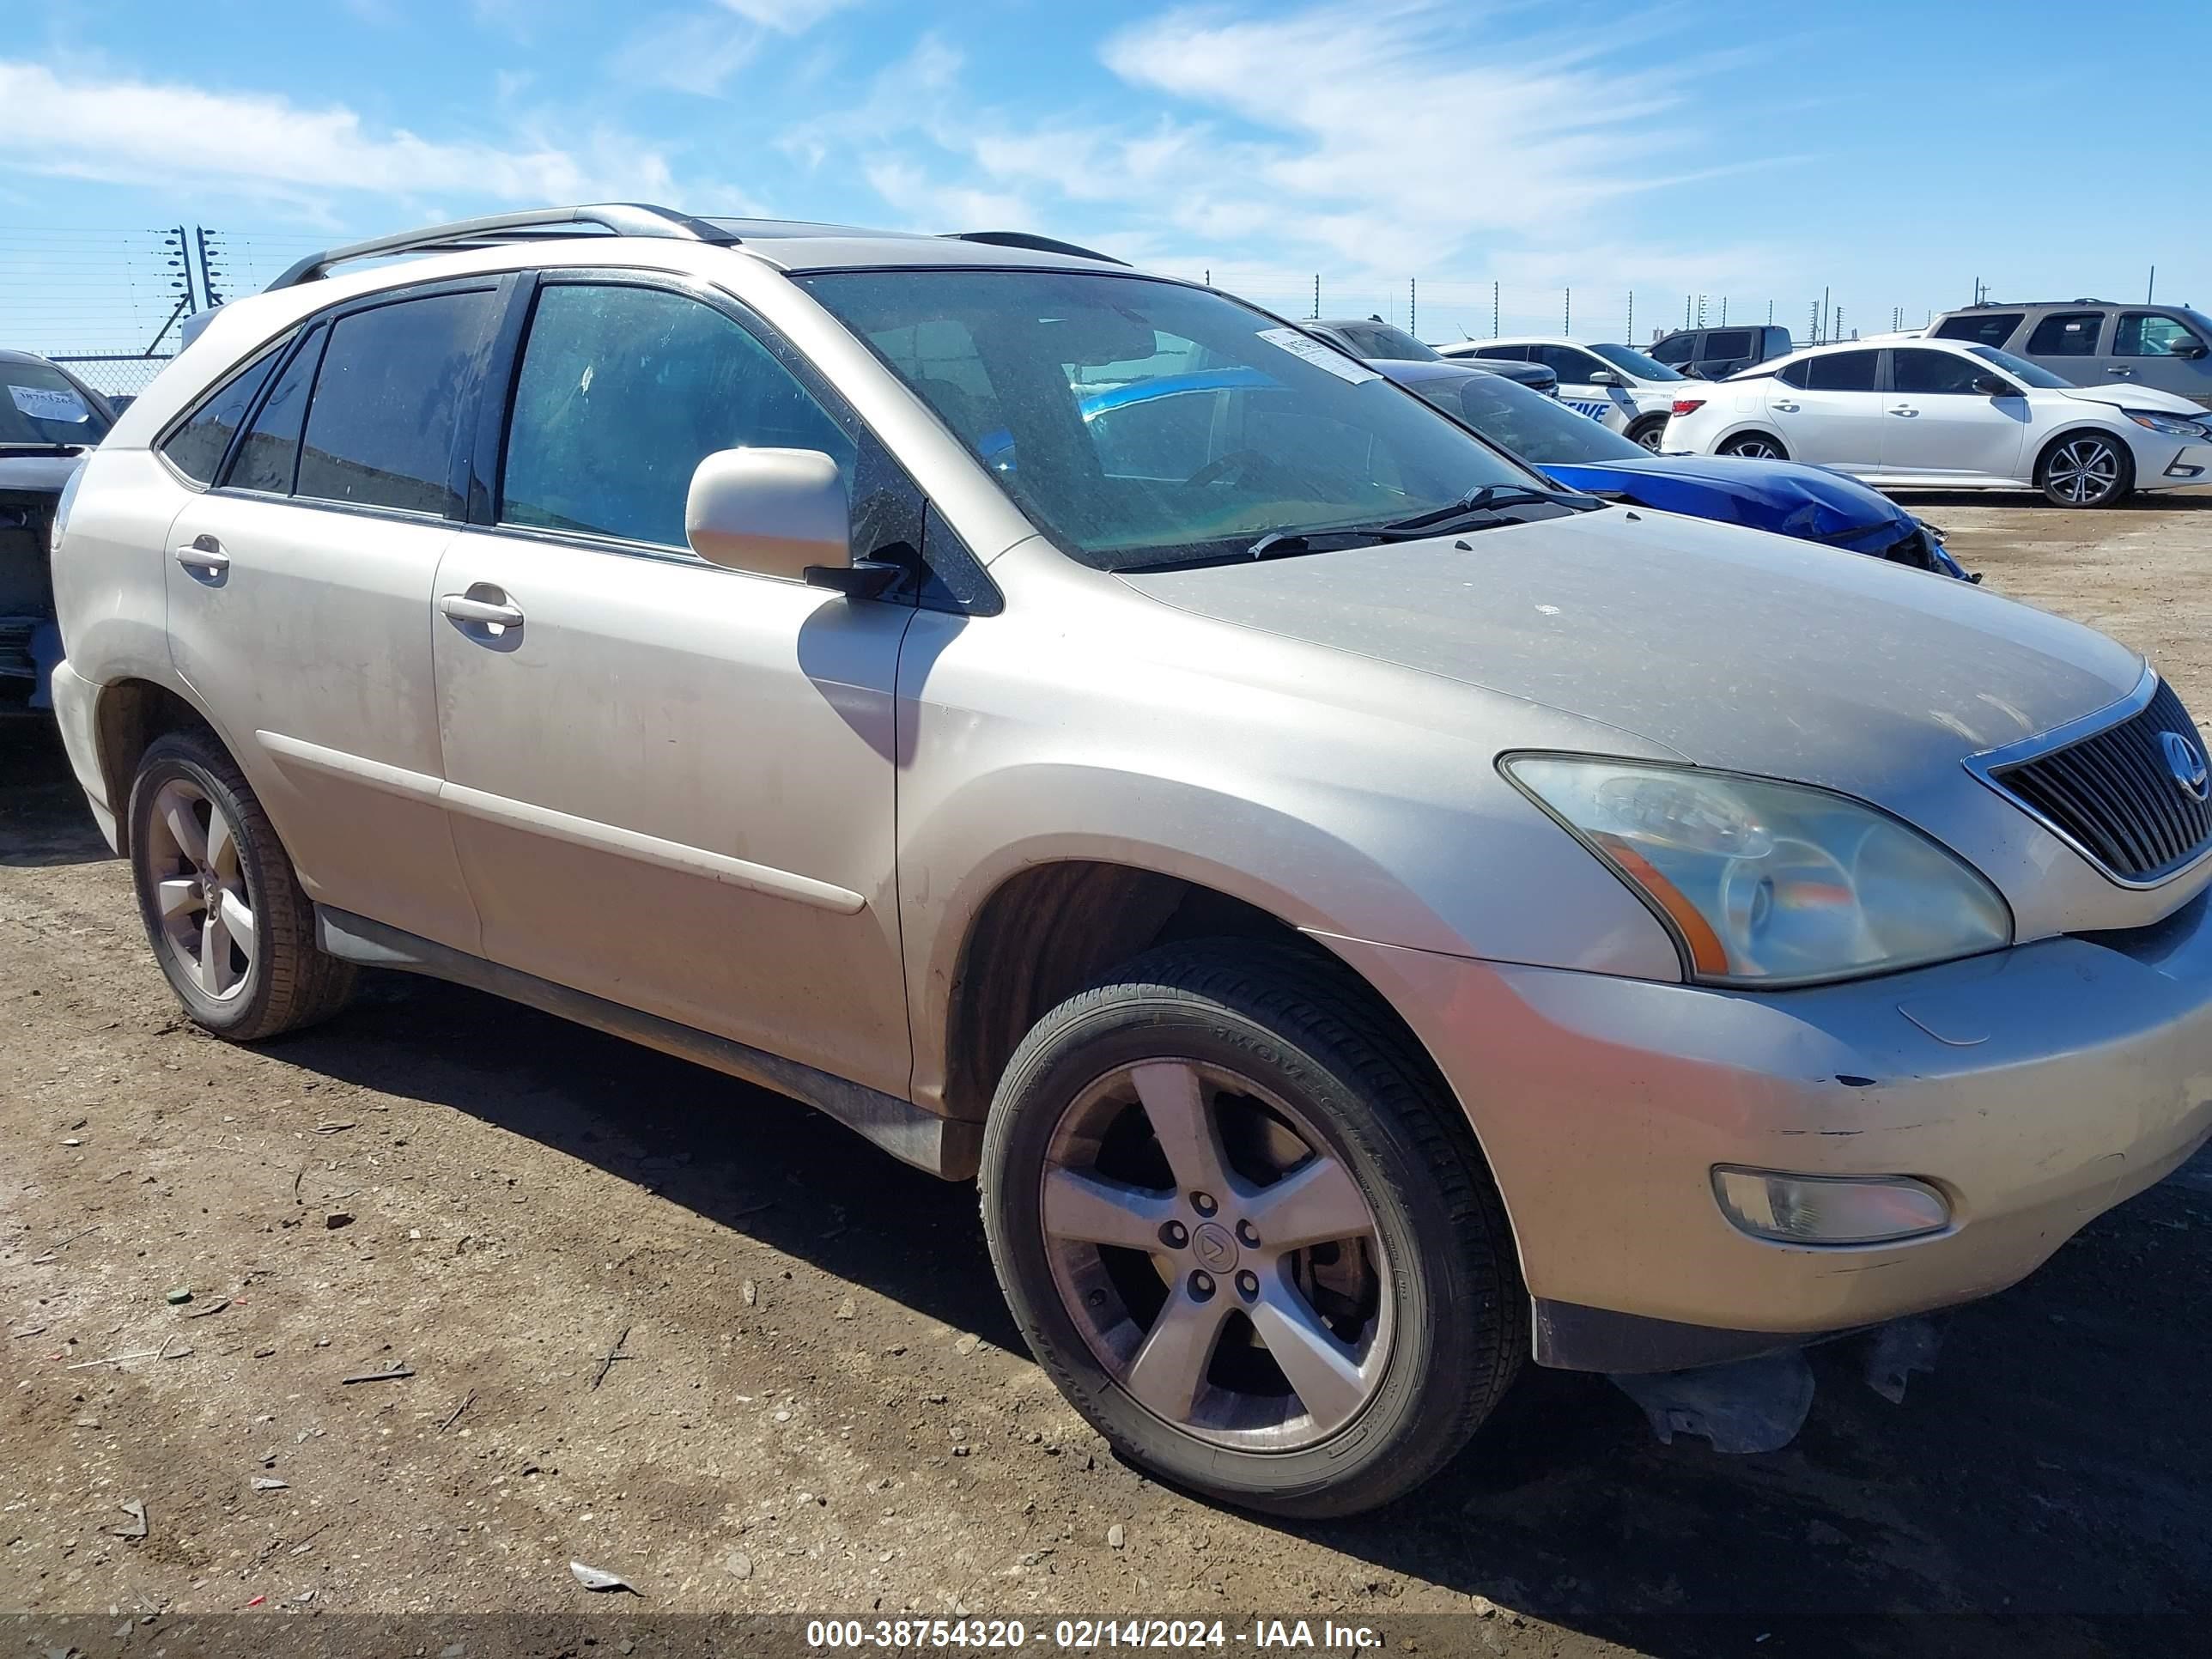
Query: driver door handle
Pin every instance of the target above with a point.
(462, 609)
(1903, 409)
(2125, 374)
(203, 554)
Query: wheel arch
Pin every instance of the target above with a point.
(128, 716)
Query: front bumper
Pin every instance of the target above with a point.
(2036, 1087)
(2190, 466)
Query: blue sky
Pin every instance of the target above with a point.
(1890, 152)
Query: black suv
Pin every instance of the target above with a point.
(1714, 354)
(1373, 341)
(48, 419)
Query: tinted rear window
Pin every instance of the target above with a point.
(1991, 328)
(380, 427)
(2065, 334)
(1841, 371)
(270, 453)
(196, 448)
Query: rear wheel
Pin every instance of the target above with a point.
(223, 909)
(2086, 468)
(1756, 447)
(1648, 432)
(1245, 1236)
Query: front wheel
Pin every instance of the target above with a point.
(2084, 468)
(1245, 1233)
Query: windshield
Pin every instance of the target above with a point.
(1537, 428)
(1643, 367)
(2021, 368)
(1139, 422)
(40, 404)
(1382, 342)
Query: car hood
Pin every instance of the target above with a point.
(1808, 502)
(42, 475)
(1728, 647)
(2128, 395)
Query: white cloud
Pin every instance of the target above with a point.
(785, 16)
(126, 132)
(694, 54)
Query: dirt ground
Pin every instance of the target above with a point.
(817, 1404)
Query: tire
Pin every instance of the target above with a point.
(2086, 468)
(1647, 433)
(1756, 446)
(1424, 1314)
(201, 848)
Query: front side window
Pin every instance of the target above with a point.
(1841, 371)
(40, 404)
(2149, 334)
(382, 424)
(1933, 373)
(196, 448)
(2066, 334)
(622, 391)
(1989, 328)
(1046, 377)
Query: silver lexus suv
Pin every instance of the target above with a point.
(1368, 917)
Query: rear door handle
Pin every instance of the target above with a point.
(462, 609)
(203, 555)
(2125, 374)
(1903, 409)
(1786, 409)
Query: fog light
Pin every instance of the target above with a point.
(1799, 1209)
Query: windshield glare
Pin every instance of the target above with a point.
(1139, 422)
(2021, 368)
(1537, 428)
(41, 404)
(1643, 367)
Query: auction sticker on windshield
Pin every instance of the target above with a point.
(1320, 357)
(43, 404)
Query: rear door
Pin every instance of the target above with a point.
(1827, 410)
(2070, 344)
(300, 587)
(670, 783)
(1935, 424)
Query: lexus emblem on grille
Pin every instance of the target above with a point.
(2186, 762)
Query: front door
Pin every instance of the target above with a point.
(1934, 424)
(298, 593)
(671, 784)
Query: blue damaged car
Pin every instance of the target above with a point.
(1808, 502)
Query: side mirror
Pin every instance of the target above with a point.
(1994, 385)
(2191, 350)
(779, 512)
(1604, 377)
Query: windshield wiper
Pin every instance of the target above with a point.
(1488, 499)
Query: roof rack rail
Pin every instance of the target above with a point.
(1022, 239)
(618, 218)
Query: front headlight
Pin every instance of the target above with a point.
(2174, 426)
(1770, 884)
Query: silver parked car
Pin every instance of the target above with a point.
(1368, 916)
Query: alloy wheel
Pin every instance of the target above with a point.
(201, 897)
(1217, 1257)
(1652, 436)
(1754, 449)
(2084, 471)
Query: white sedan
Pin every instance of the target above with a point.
(1938, 413)
(1613, 384)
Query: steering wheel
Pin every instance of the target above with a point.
(1240, 464)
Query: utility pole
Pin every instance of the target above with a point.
(1827, 318)
(1316, 310)
(1567, 323)
(1493, 311)
(1632, 316)
(1412, 305)
(1701, 311)
(1770, 311)
(2152, 286)
(209, 269)
(1724, 310)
